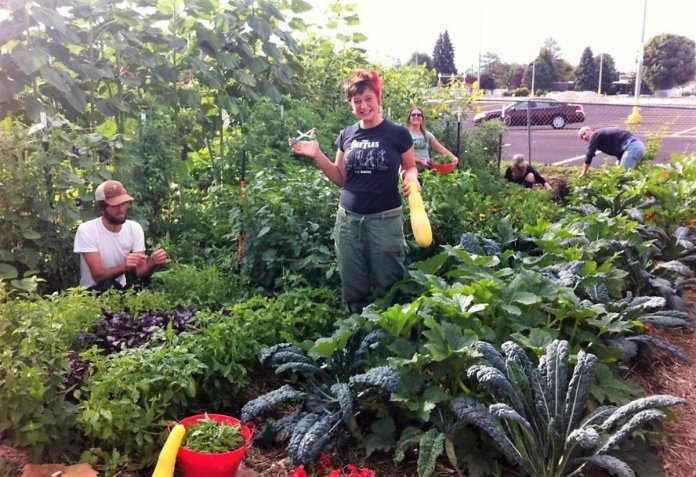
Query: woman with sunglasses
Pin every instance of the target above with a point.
(424, 141)
(369, 233)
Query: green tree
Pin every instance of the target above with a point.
(543, 70)
(95, 59)
(443, 55)
(608, 71)
(420, 59)
(669, 60)
(586, 75)
(564, 69)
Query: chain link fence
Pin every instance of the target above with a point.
(545, 130)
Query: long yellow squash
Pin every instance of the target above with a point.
(167, 457)
(419, 219)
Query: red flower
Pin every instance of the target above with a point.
(298, 471)
(324, 465)
(364, 472)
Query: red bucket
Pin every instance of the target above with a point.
(443, 168)
(203, 464)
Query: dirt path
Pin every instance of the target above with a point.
(678, 452)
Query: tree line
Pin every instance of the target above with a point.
(668, 61)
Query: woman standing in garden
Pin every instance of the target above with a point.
(369, 234)
(424, 141)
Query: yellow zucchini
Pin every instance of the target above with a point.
(419, 219)
(167, 457)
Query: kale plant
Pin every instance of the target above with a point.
(672, 271)
(538, 420)
(334, 384)
(650, 312)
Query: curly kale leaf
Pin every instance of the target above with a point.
(564, 274)
(675, 351)
(344, 395)
(613, 464)
(475, 413)
(305, 447)
(384, 377)
(267, 355)
(269, 400)
(476, 245)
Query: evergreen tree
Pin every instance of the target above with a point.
(669, 60)
(443, 55)
(543, 70)
(609, 73)
(420, 59)
(586, 74)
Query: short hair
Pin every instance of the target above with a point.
(583, 130)
(361, 80)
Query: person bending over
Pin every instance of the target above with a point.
(111, 247)
(617, 142)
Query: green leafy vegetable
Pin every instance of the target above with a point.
(213, 437)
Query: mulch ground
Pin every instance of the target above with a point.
(668, 376)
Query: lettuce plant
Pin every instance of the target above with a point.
(538, 420)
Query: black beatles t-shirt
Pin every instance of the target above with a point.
(371, 160)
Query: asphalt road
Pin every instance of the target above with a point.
(675, 125)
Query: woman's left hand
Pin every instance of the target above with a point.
(411, 185)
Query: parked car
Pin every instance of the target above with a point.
(541, 112)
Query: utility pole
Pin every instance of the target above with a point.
(599, 86)
(635, 117)
(478, 75)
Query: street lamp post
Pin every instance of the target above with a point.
(635, 117)
(599, 86)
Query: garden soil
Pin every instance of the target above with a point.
(665, 376)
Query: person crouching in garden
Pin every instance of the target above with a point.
(111, 247)
(368, 234)
(520, 172)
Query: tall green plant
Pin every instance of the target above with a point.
(538, 416)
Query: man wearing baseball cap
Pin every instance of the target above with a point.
(111, 247)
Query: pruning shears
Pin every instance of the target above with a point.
(310, 135)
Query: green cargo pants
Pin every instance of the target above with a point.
(371, 251)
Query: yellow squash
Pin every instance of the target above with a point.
(167, 457)
(419, 219)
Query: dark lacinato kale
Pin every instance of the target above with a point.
(117, 330)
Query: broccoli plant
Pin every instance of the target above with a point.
(334, 382)
(537, 419)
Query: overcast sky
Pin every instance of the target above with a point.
(515, 30)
